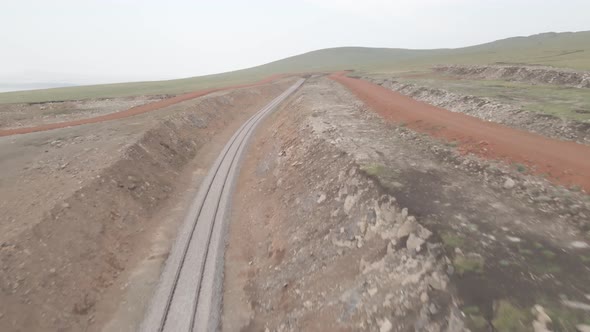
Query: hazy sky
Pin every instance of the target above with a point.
(92, 41)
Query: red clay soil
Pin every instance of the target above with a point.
(564, 163)
(132, 111)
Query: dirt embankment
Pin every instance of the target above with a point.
(141, 109)
(343, 221)
(315, 245)
(528, 74)
(34, 114)
(76, 234)
(565, 163)
(490, 110)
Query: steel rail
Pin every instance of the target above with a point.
(188, 296)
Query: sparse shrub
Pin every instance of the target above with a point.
(521, 168)
(452, 240)
(468, 263)
(373, 169)
(510, 318)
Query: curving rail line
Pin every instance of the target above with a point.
(188, 296)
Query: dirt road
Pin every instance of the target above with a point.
(132, 111)
(565, 163)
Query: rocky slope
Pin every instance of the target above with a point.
(529, 74)
(491, 110)
(343, 221)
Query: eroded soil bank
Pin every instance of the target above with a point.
(89, 212)
(155, 103)
(344, 222)
(565, 163)
(521, 73)
(491, 110)
(33, 114)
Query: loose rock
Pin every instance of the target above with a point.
(433, 309)
(513, 239)
(414, 243)
(372, 291)
(542, 319)
(579, 245)
(423, 233)
(542, 199)
(436, 282)
(404, 213)
(406, 228)
(424, 297)
(509, 183)
(384, 325)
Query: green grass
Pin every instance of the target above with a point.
(555, 49)
(130, 89)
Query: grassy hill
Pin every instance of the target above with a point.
(569, 49)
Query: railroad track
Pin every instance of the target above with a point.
(188, 296)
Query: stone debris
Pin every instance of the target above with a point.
(424, 297)
(344, 244)
(513, 239)
(542, 199)
(433, 309)
(576, 305)
(437, 282)
(583, 328)
(520, 73)
(407, 227)
(359, 241)
(404, 213)
(509, 183)
(414, 243)
(349, 202)
(542, 319)
(384, 325)
(490, 109)
(579, 245)
(372, 291)
(423, 233)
